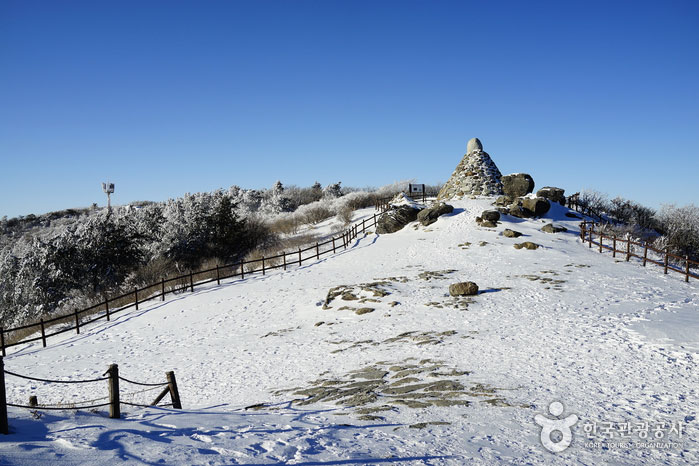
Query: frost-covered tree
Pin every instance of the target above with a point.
(332, 191)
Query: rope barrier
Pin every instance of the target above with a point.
(143, 384)
(58, 408)
(55, 381)
(144, 406)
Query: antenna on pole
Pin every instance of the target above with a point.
(108, 188)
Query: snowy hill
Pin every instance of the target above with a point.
(364, 358)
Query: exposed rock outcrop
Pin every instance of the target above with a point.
(430, 215)
(517, 184)
(395, 219)
(552, 194)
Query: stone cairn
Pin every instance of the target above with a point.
(476, 175)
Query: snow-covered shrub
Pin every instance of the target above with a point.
(332, 191)
(680, 228)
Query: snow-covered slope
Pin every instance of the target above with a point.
(421, 378)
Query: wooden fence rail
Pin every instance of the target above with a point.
(112, 378)
(592, 234)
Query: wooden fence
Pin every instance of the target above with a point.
(109, 306)
(629, 248)
(113, 399)
(106, 309)
(383, 204)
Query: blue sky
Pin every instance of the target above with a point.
(164, 98)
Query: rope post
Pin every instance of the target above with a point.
(77, 323)
(135, 295)
(2, 340)
(263, 265)
(33, 401)
(284, 256)
(114, 409)
(191, 281)
(374, 220)
(614, 248)
(628, 248)
(242, 270)
(106, 307)
(666, 260)
(299, 257)
(218, 275)
(174, 393)
(363, 226)
(601, 238)
(4, 428)
(686, 269)
(317, 251)
(645, 253)
(43, 333)
(333, 245)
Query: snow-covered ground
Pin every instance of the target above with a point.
(416, 377)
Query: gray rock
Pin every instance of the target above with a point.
(550, 228)
(395, 219)
(431, 214)
(552, 194)
(503, 200)
(538, 206)
(511, 233)
(463, 289)
(473, 146)
(491, 215)
(518, 184)
(526, 245)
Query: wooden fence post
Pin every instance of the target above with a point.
(135, 293)
(174, 393)
(113, 381)
(191, 281)
(284, 256)
(4, 428)
(333, 245)
(43, 332)
(667, 259)
(218, 275)
(2, 340)
(591, 232)
(263, 265)
(614, 246)
(374, 220)
(686, 270)
(242, 270)
(299, 257)
(645, 253)
(77, 322)
(162, 289)
(33, 401)
(317, 251)
(363, 227)
(601, 238)
(106, 307)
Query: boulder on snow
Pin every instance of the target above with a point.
(431, 214)
(538, 205)
(511, 233)
(526, 245)
(551, 228)
(517, 184)
(463, 289)
(552, 194)
(491, 215)
(395, 219)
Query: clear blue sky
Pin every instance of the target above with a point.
(169, 97)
